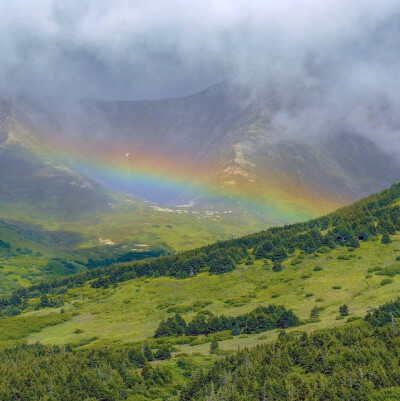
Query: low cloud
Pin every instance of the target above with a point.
(327, 61)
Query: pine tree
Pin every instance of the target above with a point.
(163, 330)
(314, 312)
(386, 238)
(344, 310)
(147, 352)
(236, 329)
(214, 345)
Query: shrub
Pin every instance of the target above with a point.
(214, 346)
(344, 310)
(387, 281)
(386, 239)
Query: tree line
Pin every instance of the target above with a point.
(39, 372)
(357, 362)
(259, 320)
(368, 218)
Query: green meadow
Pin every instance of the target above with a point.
(132, 311)
(106, 235)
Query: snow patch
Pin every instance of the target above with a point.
(105, 241)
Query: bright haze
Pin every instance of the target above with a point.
(306, 102)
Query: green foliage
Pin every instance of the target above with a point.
(384, 314)
(38, 372)
(344, 310)
(173, 326)
(147, 352)
(261, 319)
(19, 327)
(214, 345)
(354, 363)
(386, 238)
(44, 301)
(387, 281)
(314, 312)
(163, 353)
(343, 228)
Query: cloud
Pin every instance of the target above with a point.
(329, 60)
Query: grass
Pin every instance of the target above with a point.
(125, 226)
(19, 327)
(131, 312)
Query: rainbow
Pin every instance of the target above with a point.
(159, 179)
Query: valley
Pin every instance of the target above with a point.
(199, 201)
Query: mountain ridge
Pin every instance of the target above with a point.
(237, 135)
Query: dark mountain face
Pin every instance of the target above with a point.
(231, 139)
(31, 179)
(224, 139)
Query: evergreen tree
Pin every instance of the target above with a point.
(163, 353)
(44, 301)
(314, 312)
(136, 357)
(344, 310)
(181, 324)
(147, 352)
(214, 345)
(386, 238)
(163, 330)
(236, 329)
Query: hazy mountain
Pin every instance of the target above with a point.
(236, 139)
(39, 186)
(31, 178)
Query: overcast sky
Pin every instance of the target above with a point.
(335, 60)
(159, 48)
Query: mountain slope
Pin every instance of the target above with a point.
(31, 178)
(231, 138)
(107, 318)
(51, 209)
(340, 253)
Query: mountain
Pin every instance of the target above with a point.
(217, 162)
(225, 150)
(236, 140)
(31, 178)
(49, 210)
(316, 301)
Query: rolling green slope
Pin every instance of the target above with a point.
(56, 219)
(108, 316)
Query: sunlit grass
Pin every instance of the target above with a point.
(132, 311)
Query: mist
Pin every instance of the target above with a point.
(329, 63)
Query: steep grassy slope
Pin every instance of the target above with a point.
(321, 263)
(36, 254)
(105, 317)
(133, 310)
(26, 251)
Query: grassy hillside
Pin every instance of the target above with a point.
(105, 236)
(133, 310)
(109, 315)
(52, 211)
